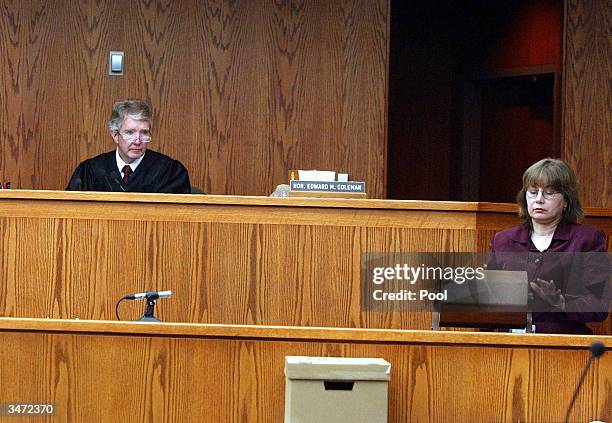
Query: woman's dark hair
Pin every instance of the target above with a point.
(556, 174)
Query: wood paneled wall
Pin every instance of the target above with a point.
(587, 94)
(226, 374)
(265, 261)
(245, 263)
(242, 91)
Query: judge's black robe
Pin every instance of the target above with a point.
(155, 173)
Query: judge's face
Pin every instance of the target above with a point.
(132, 138)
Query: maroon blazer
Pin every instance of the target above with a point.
(586, 300)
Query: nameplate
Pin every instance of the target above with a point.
(331, 186)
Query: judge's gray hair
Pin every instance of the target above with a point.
(133, 108)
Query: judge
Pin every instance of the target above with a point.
(131, 167)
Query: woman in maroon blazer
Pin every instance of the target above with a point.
(572, 288)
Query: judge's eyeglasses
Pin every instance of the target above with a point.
(132, 136)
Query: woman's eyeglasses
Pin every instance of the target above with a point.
(547, 194)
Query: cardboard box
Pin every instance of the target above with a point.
(335, 389)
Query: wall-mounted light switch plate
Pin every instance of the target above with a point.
(115, 63)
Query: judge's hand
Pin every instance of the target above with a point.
(547, 291)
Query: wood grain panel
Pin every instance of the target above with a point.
(220, 273)
(241, 91)
(587, 98)
(175, 378)
(297, 333)
(240, 262)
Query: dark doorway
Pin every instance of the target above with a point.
(517, 129)
(473, 96)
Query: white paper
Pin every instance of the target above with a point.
(317, 175)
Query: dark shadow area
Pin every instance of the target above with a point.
(471, 85)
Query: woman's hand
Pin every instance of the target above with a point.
(547, 291)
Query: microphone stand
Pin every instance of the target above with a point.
(148, 313)
(597, 350)
(150, 296)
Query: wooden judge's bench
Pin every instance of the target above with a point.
(255, 279)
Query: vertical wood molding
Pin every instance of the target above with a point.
(241, 91)
(587, 98)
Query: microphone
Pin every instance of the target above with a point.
(110, 187)
(149, 295)
(115, 180)
(597, 350)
